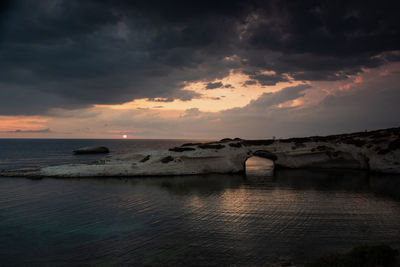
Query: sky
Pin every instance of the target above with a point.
(197, 69)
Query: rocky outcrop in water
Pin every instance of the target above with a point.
(377, 151)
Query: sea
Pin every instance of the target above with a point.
(208, 220)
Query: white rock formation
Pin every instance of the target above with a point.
(377, 151)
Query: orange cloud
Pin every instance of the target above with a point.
(23, 126)
(233, 93)
(23, 123)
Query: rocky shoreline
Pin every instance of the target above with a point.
(377, 151)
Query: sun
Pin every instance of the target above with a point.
(124, 136)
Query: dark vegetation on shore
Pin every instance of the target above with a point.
(381, 141)
(366, 256)
(359, 256)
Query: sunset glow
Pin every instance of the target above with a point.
(250, 73)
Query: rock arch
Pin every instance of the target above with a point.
(259, 163)
(265, 154)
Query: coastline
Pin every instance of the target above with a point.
(376, 151)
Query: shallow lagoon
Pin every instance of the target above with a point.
(201, 220)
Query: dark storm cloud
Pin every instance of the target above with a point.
(266, 100)
(322, 40)
(74, 53)
(367, 106)
(249, 82)
(183, 95)
(214, 85)
(392, 56)
(266, 79)
(165, 100)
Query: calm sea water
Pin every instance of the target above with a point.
(16, 153)
(213, 220)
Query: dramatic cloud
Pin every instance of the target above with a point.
(364, 102)
(214, 85)
(249, 82)
(192, 69)
(73, 54)
(267, 100)
(267, 79)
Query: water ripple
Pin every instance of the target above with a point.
(212, 220)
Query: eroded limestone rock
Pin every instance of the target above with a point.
(377, 151)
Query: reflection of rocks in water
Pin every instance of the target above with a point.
(365, 255)
(283, 261)
(320, 179)
(385, 185)
(202, 185)
(348, 180)
(180, 185)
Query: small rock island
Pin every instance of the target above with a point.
(377, 151)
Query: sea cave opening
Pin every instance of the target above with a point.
(259, 166)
